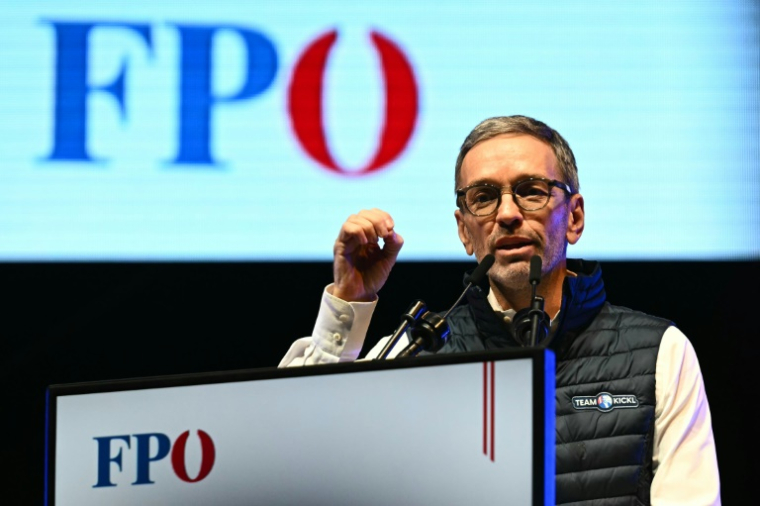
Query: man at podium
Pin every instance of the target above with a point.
(517, 197)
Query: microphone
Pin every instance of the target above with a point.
(431, 332)
(535, 272)
(478, 276)
(537, 304)
(531, 325)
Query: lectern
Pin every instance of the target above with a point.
(470, 429)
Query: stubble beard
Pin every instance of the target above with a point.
(513, 278)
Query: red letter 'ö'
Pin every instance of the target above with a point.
(305, 102)
(208, 455)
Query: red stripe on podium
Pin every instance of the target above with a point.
(493, 416)
(485, 408)
(489, 416)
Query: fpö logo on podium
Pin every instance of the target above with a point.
(197, 99)
(111, 448)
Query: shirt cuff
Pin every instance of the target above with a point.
(341, 326)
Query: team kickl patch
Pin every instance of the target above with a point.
(605, 402)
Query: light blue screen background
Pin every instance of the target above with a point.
(659, 101)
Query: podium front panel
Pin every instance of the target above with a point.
(459, 429)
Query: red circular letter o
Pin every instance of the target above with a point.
(305, 102)
(208, 456)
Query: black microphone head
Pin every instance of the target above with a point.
(478, 276)
(535, 269)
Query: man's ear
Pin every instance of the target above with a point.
(464, 235)
(576, 218)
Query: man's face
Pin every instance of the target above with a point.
(511, 234)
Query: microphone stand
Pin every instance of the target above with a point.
(431, 331)
(536, 315)
(412, 315)
(532, 320)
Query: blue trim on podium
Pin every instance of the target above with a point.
(550, 462)
(47, 447)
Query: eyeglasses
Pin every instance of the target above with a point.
(530, 194)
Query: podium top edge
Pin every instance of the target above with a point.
(239, 375)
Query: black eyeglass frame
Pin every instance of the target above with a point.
(550, 182)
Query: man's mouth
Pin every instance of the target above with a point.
(509, 244)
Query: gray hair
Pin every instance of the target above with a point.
(499, 125)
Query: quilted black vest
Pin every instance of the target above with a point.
(604, 453)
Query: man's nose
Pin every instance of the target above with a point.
(508, 214)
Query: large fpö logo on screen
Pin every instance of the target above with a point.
(197, 99)
(150, 448)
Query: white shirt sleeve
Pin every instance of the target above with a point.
(684, 459)
(338, 334)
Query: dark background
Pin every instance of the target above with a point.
(73, 322)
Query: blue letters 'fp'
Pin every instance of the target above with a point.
(143, 454)
(196, 96)
(71, 87)
(105, 459)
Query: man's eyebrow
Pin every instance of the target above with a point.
(493, 182)
(479, 182)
